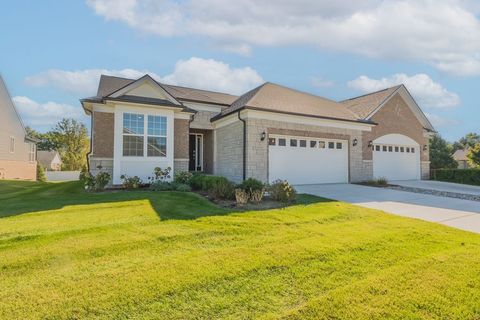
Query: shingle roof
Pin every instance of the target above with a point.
(110, 84)
(46, 157)
(460, 155)
(277, 98)
(364, 105)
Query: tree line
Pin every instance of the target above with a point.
(441, 151)
(70, 138)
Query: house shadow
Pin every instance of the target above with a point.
(28, 197)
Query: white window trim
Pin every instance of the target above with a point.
(31, 152)
(156, 136)
(133, 134)
(11, 147)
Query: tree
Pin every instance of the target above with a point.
(46, 139)
(473, 156)
(70, 139)
(41, 173)
(468, 141)
(441, 154)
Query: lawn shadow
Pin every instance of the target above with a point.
(20, 197)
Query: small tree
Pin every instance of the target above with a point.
(41, 173)
(441, 154)
(473, 156)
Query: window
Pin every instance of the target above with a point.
(133, 134)
(396, 149)
(384, 148)
(390, 148)
(339, 145)
(303, 143)
(408, 149)
(12, 144)
(331, 145)
(293, 142)
(31, 152)
(321, 144)
(377, 148)
(313, 144)
(282, 142)
(412, 150)
(272, 141)
(402, 149)
(157, 136)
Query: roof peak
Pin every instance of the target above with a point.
(374, 92)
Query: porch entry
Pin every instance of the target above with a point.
(195, 152)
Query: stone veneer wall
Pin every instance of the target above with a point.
(229, 151)
(257, 150)
(425, 170)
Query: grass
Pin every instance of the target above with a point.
(65, 254)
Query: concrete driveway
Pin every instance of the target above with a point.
(457, 213)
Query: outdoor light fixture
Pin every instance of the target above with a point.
(355, 142)
(262, 136)
(370, 143)
(425, 148)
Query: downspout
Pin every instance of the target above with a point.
(244, 145)
(91, 142)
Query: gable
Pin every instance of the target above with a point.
(148, 91)
(10, 121)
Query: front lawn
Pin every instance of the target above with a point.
(66, 254)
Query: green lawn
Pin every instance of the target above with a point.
(65, 254)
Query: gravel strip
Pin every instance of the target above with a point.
(434, 192)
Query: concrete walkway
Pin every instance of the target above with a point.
(461, 214)
(440, 186)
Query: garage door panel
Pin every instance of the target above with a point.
(396, 164)
(307, 165)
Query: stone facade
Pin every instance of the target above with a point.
(102, 135)
(180, 165)
(98, 165)
(201, 120)
(229, 151)
(425, 170)
(257, 150)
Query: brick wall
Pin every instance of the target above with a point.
(15, 169)
(103, 132)
(181, 131)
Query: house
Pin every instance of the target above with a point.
(17, 149)
(49, 160)
(461, 157)
(271, 132)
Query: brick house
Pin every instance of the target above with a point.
(271, 132)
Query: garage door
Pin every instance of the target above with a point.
(396, 157)
(301, 160)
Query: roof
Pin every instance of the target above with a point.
(364, 105)
(277, 98)
(46, 157)
(460, 155)
(110, 84)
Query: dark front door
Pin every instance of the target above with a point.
(195, 152)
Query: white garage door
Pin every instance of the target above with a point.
(396, 157)
(301, 160)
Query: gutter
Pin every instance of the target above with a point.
(244, 167)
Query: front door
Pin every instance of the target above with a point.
(196, 152)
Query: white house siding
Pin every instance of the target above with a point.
(229, 151)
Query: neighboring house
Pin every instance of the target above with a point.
(17, 149)
(271, 132)
(461, 157)
(49, 160)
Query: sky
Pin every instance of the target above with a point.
(53, 52)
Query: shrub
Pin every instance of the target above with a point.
(382, 181)
(241, 196)
(281, 190)
(196, 181)
(464, 176)
(98, 182)
(161, 186)
(254, 189)
(130, 182)
(221, 188)
(183, 177)
(181, 187)
(160, 174)
(41, 173)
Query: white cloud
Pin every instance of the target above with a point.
(82, 82)
(210, 74)
(199, 73)
(441, 122)
(427, 92)
(443, 33)
(43, 116)
(321, 83)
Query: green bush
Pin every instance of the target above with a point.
(282, 191)
(131, 182)
(41, 173)
(464, 176)
(251, 185)
(181, 187)
(96, 183)
(222, 188)
(183, 177)
(161, 186)
(196, 181)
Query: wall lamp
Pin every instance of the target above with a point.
(425, 148)
(355, 142)
(370, 144)
(263, 136)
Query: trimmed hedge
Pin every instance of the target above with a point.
(464, 176)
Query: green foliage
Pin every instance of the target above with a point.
(196, 181)
(131, 182)
(41, 173)
(441, 154)
(254, 189)
(473, 156)
(96, 183)
(162, 174)
(464, 176)
(183, 177)
(282, 191)
(181, 187)
(161, 186)
(382, 181)
(47, 141)
(222, 189)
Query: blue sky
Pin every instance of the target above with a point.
(53, 51)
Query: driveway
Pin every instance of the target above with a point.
(457, 213)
